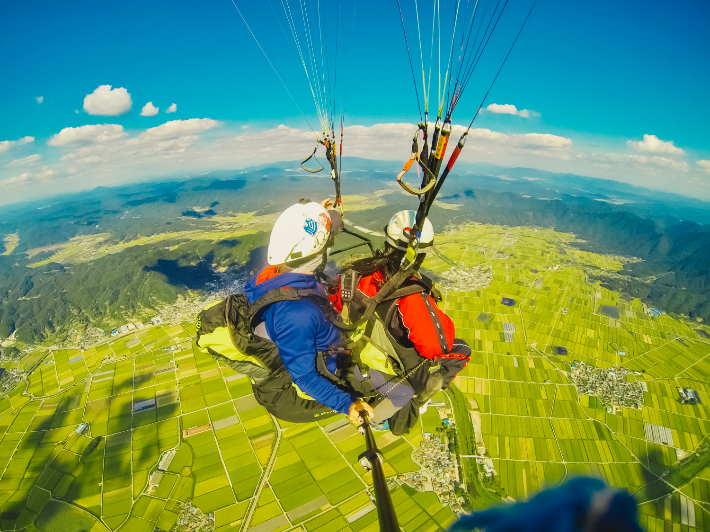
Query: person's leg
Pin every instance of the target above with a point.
(396, 395)
(452, 366)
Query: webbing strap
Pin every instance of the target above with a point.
(387, 290)
(286, 293)
(406, 291)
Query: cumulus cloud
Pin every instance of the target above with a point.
(7, 144)
(487, 134)
(509, 109)
(668, 163)
(648, 161)
(652, 144)
(105, 101)
(90, 133)
(25, 161)
(176, 128)
(39, 99)
(25, 178)
(172, 108)
(543, 140)
(18, 179)
(149, 110)
(106, 154)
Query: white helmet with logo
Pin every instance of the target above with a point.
(400, 225)
(301, 231)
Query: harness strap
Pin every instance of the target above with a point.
(286, 293)
(387, 289)
(406, 291)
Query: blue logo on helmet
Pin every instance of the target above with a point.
(311, 226)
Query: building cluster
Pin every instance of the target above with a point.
(467, 279)
(653, 312)
(9, 379)
(440, 469)
(611, 385)
(688, 396)
(192, 519)
(128, 327)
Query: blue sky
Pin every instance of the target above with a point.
(601, 75)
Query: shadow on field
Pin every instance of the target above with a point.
(190, 276)
(257, 260)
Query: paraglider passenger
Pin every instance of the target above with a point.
(417, 332)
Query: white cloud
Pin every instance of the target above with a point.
(39, 99)
(505, 109)
(176, 128)
(652, 144)
(90, 133)
(105, 101)
(26, 161)
(172, 108)
(509, 109)
(705, 165)
(43, 176)
(668, 163)
(149, 110)
(528, 113)
(543, 140)
(7, 144)
(18, 179)
(487, 134)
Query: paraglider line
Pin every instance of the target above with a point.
(274, 69)
(411, 67)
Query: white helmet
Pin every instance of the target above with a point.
(301, 231)
(404, 221)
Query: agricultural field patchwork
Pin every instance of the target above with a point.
(120, 436)
(538, 319)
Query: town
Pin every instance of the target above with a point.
(609, 385)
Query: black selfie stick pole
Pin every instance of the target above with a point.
(371, 460)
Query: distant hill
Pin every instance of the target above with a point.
(131, 249)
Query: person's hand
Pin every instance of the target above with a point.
(327, 203)
(355, 409)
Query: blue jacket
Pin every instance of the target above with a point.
(299, 329)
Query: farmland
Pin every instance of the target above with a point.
(537, 429)
(149, 393)
(530, 312)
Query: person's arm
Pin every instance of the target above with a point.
(294, 332)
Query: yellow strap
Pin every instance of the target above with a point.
(407, 166)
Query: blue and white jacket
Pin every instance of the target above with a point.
(300, 330)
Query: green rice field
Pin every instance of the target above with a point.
(149, 392)
(536, 429)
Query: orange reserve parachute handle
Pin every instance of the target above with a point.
(416, 157)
